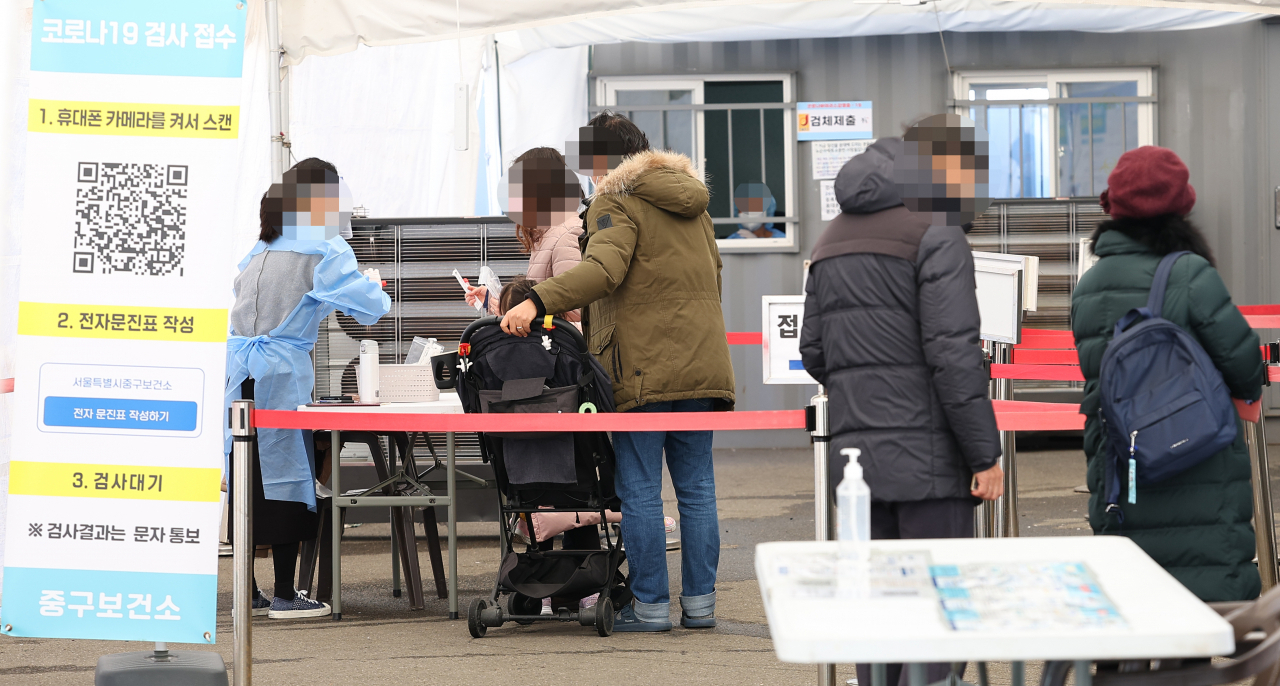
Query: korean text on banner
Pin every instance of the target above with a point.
(114, 497)
(833, 121)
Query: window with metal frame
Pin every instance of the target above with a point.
(739, 130)
(1058, 133)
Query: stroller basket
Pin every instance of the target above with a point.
(550, 371)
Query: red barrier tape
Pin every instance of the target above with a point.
(1273, 373)
(1020, 415)
(502, 423)
(1259, 309)
(1046, 338)
(745, 338)
(1010, 416)
(1263, 321)
(1036, 372)
(1045, 357)
(6, 385)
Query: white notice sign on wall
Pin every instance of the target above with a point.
(782, 316)
(830, 206)
(829, 156)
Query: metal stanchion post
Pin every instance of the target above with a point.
(983, 514)
(1001, 514)
(1264, 527)
(823, 521)
(242, 434)
(1007, 505)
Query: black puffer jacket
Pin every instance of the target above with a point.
(891, 330)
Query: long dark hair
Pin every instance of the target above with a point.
(530, 235)
(1164, 234)
(271, 214)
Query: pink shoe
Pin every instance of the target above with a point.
(588, 602)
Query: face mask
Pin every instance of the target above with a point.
(751, 226)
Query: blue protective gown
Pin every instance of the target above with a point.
(280, 362)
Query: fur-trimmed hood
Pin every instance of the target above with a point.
(664, 179)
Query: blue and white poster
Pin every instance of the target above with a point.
(833, 121)
(114, 491)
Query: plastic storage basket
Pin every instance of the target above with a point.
(407, 383)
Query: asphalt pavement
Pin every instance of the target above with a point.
(764, 495)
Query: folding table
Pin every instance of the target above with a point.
(420, 496)
(1162, 619)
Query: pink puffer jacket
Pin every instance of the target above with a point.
(557, 252)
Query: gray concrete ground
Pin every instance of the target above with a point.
(764, 495)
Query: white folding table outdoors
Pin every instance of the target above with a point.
(1161, 618)
(447, 404)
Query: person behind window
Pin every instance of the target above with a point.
(755, 201)
(650, 278)
(1195, 524)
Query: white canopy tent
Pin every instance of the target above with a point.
(386, 116)
(330, 27)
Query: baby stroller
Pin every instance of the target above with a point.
(549, 371)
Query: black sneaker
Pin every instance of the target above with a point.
(301, 606)
(260, 603)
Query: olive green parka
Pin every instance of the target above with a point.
(650, 280)
(1196, 524)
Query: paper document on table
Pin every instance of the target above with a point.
(892, 575)
(1032, 596)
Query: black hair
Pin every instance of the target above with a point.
(633, 139)
(271, 210)
(1163, 233)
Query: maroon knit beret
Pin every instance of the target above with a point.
(1147, 182)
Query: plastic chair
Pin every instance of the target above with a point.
(1257, 655)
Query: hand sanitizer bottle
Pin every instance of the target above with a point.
(853, 520)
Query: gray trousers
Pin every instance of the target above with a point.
(941, 518)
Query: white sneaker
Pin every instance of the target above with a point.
(546, 607)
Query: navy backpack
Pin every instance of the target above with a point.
(1165, 407)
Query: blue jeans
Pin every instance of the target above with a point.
(639, 485)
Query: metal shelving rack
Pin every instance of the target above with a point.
(1050, 229)
(416, 257)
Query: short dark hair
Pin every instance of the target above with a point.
(633, 139)
(271, 211)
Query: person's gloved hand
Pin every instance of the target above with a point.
(988, 484)
(373, 275)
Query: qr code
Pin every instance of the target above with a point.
(130, 218)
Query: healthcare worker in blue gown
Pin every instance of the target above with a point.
(300, 270)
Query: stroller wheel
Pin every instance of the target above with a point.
(604, 617)
(521, 604)
(474, 625)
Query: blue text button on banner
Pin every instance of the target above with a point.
(119, 413)
(795, 365)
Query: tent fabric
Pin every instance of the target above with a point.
(331, 27)
(389, 127)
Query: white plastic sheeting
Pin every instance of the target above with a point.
(330, 27)
(385, 118)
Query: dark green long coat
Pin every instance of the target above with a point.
(1197, 524)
